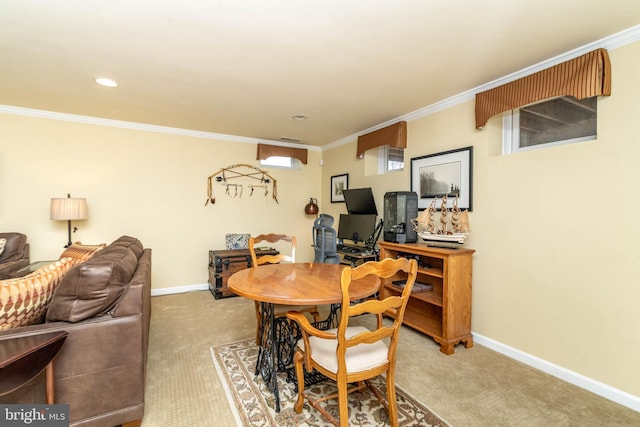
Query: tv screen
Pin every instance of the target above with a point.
(357, 228)
(360, 201)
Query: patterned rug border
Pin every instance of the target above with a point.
(235, 401)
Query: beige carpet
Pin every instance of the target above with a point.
(254, 403)
(474, 387)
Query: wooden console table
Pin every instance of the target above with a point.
(22, 358)
(444, 311)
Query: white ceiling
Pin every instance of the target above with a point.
(245, 67)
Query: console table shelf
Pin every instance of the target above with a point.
(444, 311)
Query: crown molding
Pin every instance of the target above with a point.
(612, 42)
(43, 114)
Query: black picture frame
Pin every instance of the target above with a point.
(448, 172)
(339, 183)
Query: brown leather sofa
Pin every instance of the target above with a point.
(14, 253)
(104, 304)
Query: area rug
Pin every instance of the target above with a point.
(253, 404)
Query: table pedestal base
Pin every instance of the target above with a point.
(278, 344)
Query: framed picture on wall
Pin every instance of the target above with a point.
(339, 183)
(447, 173)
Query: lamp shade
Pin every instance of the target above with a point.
(69, 208)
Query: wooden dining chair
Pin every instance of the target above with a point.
(283, 242)
(351, 355)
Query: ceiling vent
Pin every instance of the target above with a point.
(285, 139)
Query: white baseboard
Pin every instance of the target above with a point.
(179, 289)
(601, 389)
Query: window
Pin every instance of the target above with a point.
(557, 121)
(390, 159)
(281, 162)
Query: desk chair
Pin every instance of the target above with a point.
(354, 354)
(325, 240)
(280, 310)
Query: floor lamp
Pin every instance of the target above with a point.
(69, 209)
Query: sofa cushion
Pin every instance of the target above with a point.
(129, 242)
(79, 252)
(14, 247)
(24, 301)
(93, 287)
(3, 243)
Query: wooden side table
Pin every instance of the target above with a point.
(23, 358)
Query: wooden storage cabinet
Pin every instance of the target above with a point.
(443, 312)
(223, 263)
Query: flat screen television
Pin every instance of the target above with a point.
(360, 201)
(357, 228)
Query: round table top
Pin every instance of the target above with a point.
(298, 284)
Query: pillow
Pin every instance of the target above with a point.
(24, 301)
(94, 287)
(3, 243)
(80, 252)
(237, 241)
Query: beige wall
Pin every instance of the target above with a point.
(556, 268)
(145, 184)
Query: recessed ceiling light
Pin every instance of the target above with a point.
(299, 117)
(106, 82)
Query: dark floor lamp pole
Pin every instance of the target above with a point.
(69, 229)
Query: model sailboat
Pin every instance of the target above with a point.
(450, 226)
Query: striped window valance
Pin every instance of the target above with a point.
(265, 151)
(582, 77)
(394, 135)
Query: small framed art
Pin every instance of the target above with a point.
(339, 183)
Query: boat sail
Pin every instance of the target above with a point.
(452, 226)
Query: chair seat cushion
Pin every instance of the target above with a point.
(359, 358)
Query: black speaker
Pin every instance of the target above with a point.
(400, 207)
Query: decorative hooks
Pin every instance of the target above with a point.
(235, 171)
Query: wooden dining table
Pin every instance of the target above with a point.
(292, 284)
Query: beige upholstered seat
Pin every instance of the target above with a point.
(354, 354)
(280, 310)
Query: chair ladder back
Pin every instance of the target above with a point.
(272, 238)
(383, 269)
